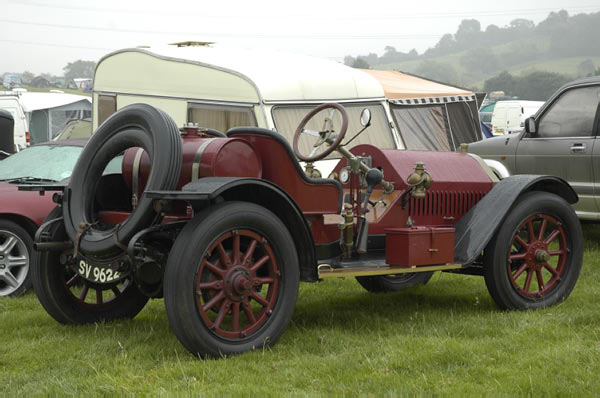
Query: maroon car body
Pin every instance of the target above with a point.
(22, 212)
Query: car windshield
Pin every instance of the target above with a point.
(42, 162)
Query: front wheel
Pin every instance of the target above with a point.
(71, 299)
(231, 280)
(535, 257)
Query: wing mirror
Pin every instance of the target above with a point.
(365, 117)
(530, 127)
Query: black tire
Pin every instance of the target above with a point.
(59, 289)
(393, 283)
(137, 125)
(517, 261)
(191, 306)
(16, 248)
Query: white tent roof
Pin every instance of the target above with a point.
(276, 76)
(35, 101)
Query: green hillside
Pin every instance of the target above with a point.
(510, 61)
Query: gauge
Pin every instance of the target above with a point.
(344, 176)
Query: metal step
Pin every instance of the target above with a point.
(327, 271)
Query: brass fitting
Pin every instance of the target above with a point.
(347, 230)
(420, 180)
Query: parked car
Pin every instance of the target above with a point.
(509, 116)
(11, 102)
(21, 212)
(558, 140)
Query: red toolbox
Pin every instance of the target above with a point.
(414, 246)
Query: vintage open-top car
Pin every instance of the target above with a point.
(224, 226)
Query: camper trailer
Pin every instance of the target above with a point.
(221, 88)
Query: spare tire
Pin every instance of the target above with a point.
(137, 125)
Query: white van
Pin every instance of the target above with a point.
(509, 116)
(11, 102)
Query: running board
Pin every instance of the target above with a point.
(326, 271)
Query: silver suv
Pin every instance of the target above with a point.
(560, 140)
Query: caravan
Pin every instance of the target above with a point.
(221, 88)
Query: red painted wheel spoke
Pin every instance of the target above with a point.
(250, 251)
(219, 296)
(552, 236)
(518, 256)
(551, 269)
(259, 263)
(540, 280)
(213, 268)
(236, 247)
(84, 292)
(521, 269)
(530, 232)
(263, 281)
(72, 281)
(225, 260)
(99, 296)
(542, 229)
(260, 299)
(556, 252)
(214, 285)
(235, 317)
(224, 309)
(521, 241)
(249, 312)
(528, 281)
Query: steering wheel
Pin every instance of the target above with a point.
(326, 135)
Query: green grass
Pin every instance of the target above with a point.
(445, 337)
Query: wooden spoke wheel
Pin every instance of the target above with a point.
(535, 257)
(71, 299)
(231, 280)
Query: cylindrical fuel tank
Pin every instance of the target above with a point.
(201, 157)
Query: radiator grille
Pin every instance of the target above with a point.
(444, 203)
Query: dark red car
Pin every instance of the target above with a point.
(22, 212)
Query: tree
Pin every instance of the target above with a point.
(585, 68)
(349, 60)
(79, 69)
(360, 63)
(27, 77)
(468, 33)
(503, 82)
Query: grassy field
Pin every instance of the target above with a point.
(445, 337)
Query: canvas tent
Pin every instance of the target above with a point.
(429, 115)
(48, 113)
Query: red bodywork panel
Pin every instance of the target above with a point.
(202, 157)
(278, 167)
(459, 182)
(27, 204)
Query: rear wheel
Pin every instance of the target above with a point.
(231, 280)
(393, 283)
(535, 257)
(71, 299)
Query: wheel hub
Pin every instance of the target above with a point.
(238, 283)
(542, 256)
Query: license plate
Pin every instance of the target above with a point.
(97, 274)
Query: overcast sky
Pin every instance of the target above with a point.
(44, 35)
